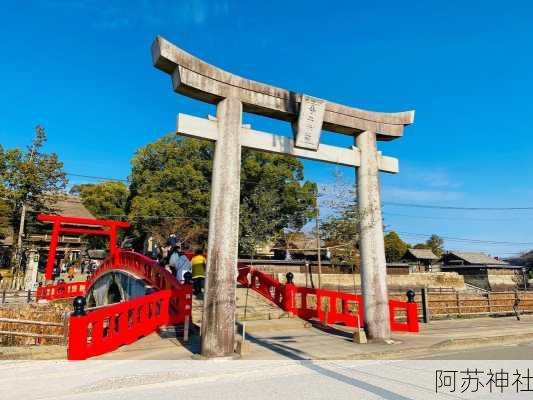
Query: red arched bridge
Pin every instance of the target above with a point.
(130, 296)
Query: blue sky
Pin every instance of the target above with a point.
(83, 70)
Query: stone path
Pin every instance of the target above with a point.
(292, 338)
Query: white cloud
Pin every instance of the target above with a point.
(435, 178)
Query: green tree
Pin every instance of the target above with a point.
(170, 192)
(30, 179)
(169, 189)
(6, 205)
(272, 197)
(105, 200)
(435, 243)
(395, 247)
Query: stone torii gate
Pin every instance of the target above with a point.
(234, 95)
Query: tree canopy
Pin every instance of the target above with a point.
(395, 247)
(170, 192)
(435, 243)
(31, 177)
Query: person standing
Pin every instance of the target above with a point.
(183, 266)
(198, 272)
(71, 272)
(173, 258)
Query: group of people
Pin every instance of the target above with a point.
(83, 266)
(178, 264)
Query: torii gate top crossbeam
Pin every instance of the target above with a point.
(197, 79)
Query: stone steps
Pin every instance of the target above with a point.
(256, 307)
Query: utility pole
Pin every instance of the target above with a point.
(21, 232)
(18, 256)
(317, 228)
(23, 217)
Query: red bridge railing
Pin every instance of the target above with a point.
(139, 265)
(325, 305)
(102, 330)
(62, 290)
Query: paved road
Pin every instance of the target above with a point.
(522, 351)
(237, 380)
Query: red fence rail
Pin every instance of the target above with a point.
(328, 306)
(61, 290)
(325, 305)
(105, 329)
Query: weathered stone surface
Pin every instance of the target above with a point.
(202, 128)
(218, 326)
(371, 243)
(200, 80)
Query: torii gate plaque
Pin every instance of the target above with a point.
(233, 95)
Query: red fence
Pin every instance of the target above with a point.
(325, 305)
(61, 290)
(105, 329)
(328, 306)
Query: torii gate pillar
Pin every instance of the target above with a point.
(218, 322)
(371, 241)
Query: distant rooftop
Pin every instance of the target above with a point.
(423, 254)
(70, 206)
(477, 258)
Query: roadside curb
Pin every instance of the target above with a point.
(446, 345)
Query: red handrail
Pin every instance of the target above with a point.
(149, 270)
(141, 266)
(105, 329)
(329, 306)
(61, 290)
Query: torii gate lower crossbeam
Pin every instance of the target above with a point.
(63, 224)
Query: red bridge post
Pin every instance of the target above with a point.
(412, 312)
(289, 292)
(77, 331)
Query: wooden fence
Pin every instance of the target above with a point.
(441, 303)
(32, 328)
(8, 296)
(449, 303)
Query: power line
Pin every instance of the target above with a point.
(398, 204)
(440, 207)
(464, 240)
(96, 177)
(457, 217)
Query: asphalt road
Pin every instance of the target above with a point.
(239, 380)
(522, 351)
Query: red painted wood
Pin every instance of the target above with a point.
(329, 306)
